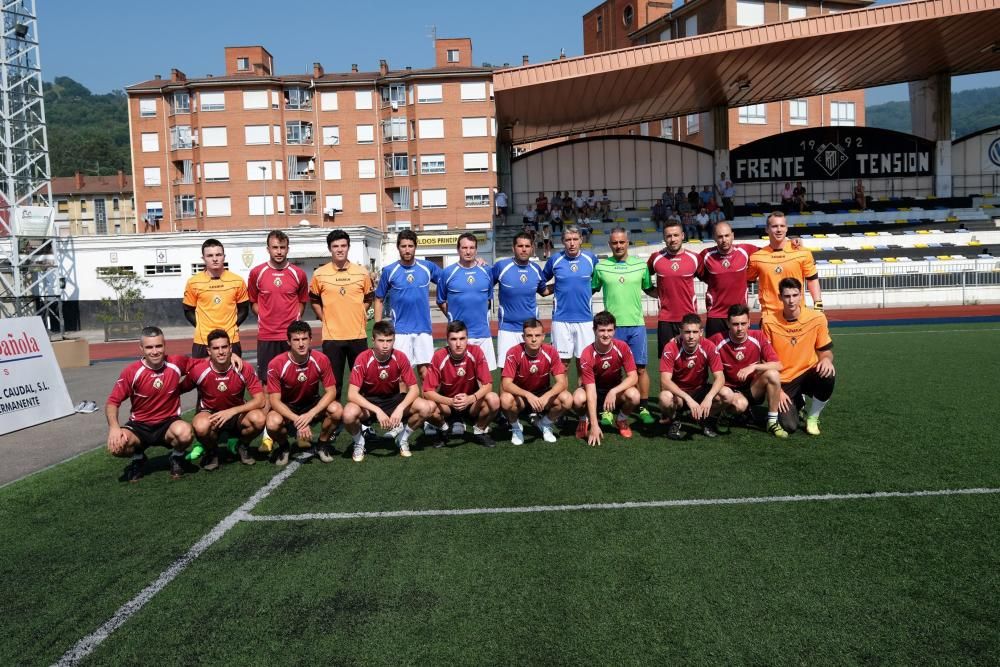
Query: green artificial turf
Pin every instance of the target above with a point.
(892, 581)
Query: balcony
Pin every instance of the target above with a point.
(298, 99)
(301, 169)
(302, 203)
(298, 133)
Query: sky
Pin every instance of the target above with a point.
(110, 44)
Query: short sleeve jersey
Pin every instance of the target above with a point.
(450, 377)
(221, 390)
(214, 301)
(606, 369)
(279, 295)
(381, 378)
(467, 291)
(756, 349)
(519, 285)
(299, 383)
(675, 282)
(573, 294)
(797, 342)
(408, 292)
(623, 284)
(532, 372)
(689, 370)
(155, 393)
(726, 277)
(768, 267)
(342, 293)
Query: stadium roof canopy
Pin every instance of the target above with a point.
(856, 49)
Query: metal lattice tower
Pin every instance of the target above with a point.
(31, 271)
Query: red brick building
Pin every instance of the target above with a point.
(251, 149)
(616, 24)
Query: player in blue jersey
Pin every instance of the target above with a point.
(572, 318)
(407, 283)
(519, 283)
(464, 292)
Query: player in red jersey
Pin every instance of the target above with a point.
(674, 269)
(374, 392)
(222, 410)
(458, 381)
(152, 385)
(724, 270)
(293, 382)
(608, 379)
(684, 370)
(524, 383)
(751, 368)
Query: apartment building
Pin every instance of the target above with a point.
(616, 24)
(389, 149)
(88, 205)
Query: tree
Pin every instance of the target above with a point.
(127, 286)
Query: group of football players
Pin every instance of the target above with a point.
(712, 373)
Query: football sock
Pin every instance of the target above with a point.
(772, 418)
(815, 407)
(545, 422)
(359, 438)
(642, 403)
(479, 431)
(404, 438)
(516, 426)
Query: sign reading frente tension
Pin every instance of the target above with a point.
(832, 153)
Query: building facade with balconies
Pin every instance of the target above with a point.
(390, 149)
(92, 205)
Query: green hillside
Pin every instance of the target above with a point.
(971, 110)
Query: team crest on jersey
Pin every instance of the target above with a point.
(277, 281)
(740, 355)
(674, 266)
(343, 291)
(777, 269)
(409, 277)
(460, 372)
(794, 340)
(523, 278)
(725, 263)
(621, 279)
(574, 268)
(471, 279)
(533, 368)
(301, 377)
(158, 383)
(690, 363)
(383, 374)
(217, 300)
(605, 365)
(222, 387)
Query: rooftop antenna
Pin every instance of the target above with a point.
(432, 32)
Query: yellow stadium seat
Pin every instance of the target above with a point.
(923, 231)
(871, 233)
(597, 232)
(944, 256)
(986, 206)
(867, 247)
(587, 245)
(638, 243)
(850, 223)
(649, 230)
(883, 199)
(919, 245)
(951, 218)
(854, 210)
(800, 224)
(888, 259)
(819, 236)
(900, 221)
(814, 249)
(836, 261)
(975, 243)
(619, 219)
(904, 208)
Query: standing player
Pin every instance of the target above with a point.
(801, 337)
(464, 293)
(460, 385)
(340, 293)
(624, 279)
(674, 269)
(407, 285)
(572, 318)
(215, 298)
(374, 392)
(520, 281)
(293, 382)
(724, 270)
(152, 385)
(608, 378)
(751, 368)
(524, 384)
(685, 366)
(223, 411)
(778, 260)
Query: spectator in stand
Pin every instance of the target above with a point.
(580, 204)
(703, 222)
(529, 218)
(859, 196)
(569, 210)
(547, 240)
(787, 197)
(799, 196)
(694, 199)
(529, 229)
(541, 208)
(605, 206)
(714, 212)
(659, 214)
(726, 192)
(585, 229)
(681, 204)
(690, 226)
(705, 195)
(500, 200)
(557, 219)
(668, 198)
(591, 204)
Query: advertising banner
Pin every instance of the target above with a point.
(32, 389)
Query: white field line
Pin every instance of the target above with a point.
(690, 502)
(910, 331)
(86, 646)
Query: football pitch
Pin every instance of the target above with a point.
(875, 543)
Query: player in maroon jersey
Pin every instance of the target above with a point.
(152, 385)
(608, 379)
(674, 269)
(684, 371)
(524, 383)
(458, 381)
(222, 410)
(293, 382)
(752, 368)
(724, 270)
(374, 392)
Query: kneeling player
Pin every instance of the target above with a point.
(222, 411)
(293, 382)
(459, 383)
(152, 385)
(801, 337)
(751, 368)
(524, 383)
(684, 371)
(374, 392)
(608, 379)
